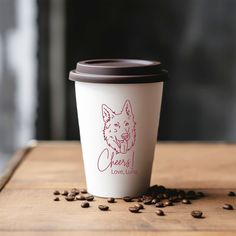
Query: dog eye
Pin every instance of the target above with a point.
(126, 123)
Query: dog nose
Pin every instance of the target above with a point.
(125, 136)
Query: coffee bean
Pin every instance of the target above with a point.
(111, 200)
(83, 190)
(134, 209)
(168, 203)
(56, 192)
(173, 192)
(161, 189)
(159, 212)
(64, 193)
(127, 199)
(74, 191)
(56, 199)
(155, 200)
(144, 197)
(139, 199)
(158, 199)
(89, 198)
(186, 201)
(231, 194)
(80, 197)
(159, 204)
(196, 214)
(71, 194)
(174, 199)
(191, 195)
(152, 189)
(70, 198)
(165, 196)
(103, 207)
(139, 205)
(228, 207)
(162, 195)
(181, 194)
(191, 192)
(200, 194)
(147, 201)
(84, 204)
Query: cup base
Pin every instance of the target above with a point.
(117, 195)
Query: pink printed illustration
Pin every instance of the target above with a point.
(119, 128)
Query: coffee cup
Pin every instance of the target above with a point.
(118, 105)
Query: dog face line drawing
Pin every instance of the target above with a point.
(119, 128)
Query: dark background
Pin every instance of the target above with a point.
(195, 40)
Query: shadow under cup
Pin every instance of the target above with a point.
(118, 104)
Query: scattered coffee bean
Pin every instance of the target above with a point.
(161, 189)
(231, 194)
(186, 201)
(70, 198)
(71, 195)
(228, 207)
(139, 205)
(74, 191)
(191, 192)
(173, 192)
(103, 207)
(196, 214)
(159, 204)
(160, 196)
(158, 199)
(89, 198)
(154, 195)
(168, 203)
(200, 194)
(56, 192)
(147, 201)
(139, 199)
(127, 199)
(152, 190)
(191, 195)
(181, 195)
(165, 196)
(83, 190)
(80, 197)
(84, 204)
(154, 201)
(144, 197)
(64, 193)
(134, 209)
(111, 200)
(174, 199)
(159, 212)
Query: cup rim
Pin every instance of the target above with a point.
(119, 71)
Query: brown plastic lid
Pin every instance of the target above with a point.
(118, 71)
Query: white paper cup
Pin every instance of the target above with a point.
(118, 104)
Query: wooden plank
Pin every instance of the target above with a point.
(14, 163)
(120, 233)
(27, 206)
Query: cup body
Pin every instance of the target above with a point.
(118, 129)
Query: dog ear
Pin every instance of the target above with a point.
(107, 113)
(127, 109)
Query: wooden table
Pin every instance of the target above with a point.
(27, 206)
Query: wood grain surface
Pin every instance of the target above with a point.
(14, 162)
(27, 206)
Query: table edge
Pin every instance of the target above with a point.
(14, 162)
